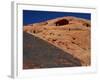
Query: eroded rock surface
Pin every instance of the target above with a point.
(70, 34)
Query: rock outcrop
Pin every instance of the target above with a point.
(69, 34)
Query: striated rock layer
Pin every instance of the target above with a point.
(70, 34)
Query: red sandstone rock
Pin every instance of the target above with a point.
(70, 34)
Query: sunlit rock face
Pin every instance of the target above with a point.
(69, 34)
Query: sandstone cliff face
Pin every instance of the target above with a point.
(70, 34)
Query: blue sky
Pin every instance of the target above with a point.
(30, 16)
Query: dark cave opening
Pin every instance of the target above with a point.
(62, 22)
